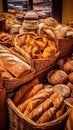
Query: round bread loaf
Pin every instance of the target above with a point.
(68, 66)
(31, 15)
(62, 89)
(70, 76)
(51, 22)
(56, 77)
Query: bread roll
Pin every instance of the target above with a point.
(70, 76)
(57, 77)
(70, 85)
(68, 66)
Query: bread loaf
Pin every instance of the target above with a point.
(60, 111)
(35, 89)
(37, 112)
(22, 91)
(70, 76)
(70, 85)
(68, 66)
(12, 63)
(5, 73)
(62, 89)
(48, 115)
(42, 94)
(57, 77)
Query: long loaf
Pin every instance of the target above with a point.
(37, 112)
(42, 94)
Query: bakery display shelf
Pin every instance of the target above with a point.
(40, 2)
(11, 1)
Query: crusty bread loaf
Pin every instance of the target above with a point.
(12, 63)
(23, 90)
(60, 111)
(48, 114)
(37, 112)
(5, 73)
(70, 76)
(42, 94)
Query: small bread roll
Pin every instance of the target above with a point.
(57, 77)
(68, 66)
(70, 76)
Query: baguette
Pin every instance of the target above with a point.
(60, 111)
(22, 91)
(44, 93)
(35, 89)
(58, 101)
(47, 115)
(37, 112)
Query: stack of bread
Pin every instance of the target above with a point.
(31, 22)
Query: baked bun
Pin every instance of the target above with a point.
(31, 15)
(70, 76)
(42, 15)
(30, 24)
(15, 29)
(62, 89)
(20, 16)
(51, 22)
(56, 77)
(68, 66)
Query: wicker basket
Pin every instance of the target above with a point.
(20, 122)
(38, 64)
(66, 46)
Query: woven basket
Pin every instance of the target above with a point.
(38, 64)
(66, 46)
(18, 121)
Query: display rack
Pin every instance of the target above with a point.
(43, 5)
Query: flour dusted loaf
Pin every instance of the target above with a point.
(57, 77)
(12, 63)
